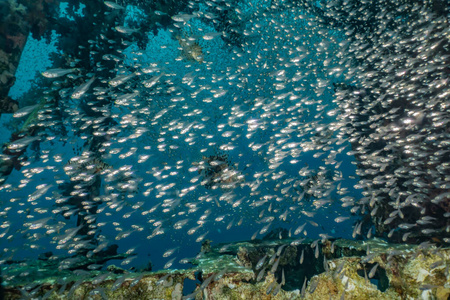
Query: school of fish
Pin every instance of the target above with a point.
(282, 118)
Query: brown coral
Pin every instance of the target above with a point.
(18, 41)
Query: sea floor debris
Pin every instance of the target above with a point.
(347, 271)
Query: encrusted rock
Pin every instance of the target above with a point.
(385, 272)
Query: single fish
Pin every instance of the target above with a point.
(272, 258)
(58, 72)
(193, 230)
(202, 237)
(341, 219)
(120, 79)
(113, 5)
(38, 223)
(136, 280)
(182, 17)
(126, 30)
(220, 274)
(180, 224)
(280, 249)
(25, 111)
(47, 295)
(22, 143)
(265, 228)
(302, 257)
(207, 281)
(82, 89)
(100, 247)
(170, 252)
(260, 262)
(373, 270)
(152, 81)
(425, 287)
(162, 279)
(299, 229)
(230, 225)
(275, 266)
(169, 263)
(211, 35)
(261, 274)
(123, 99)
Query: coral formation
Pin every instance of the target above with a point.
(386, 272)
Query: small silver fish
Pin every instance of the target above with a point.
(303, 291)
(162, 279)
(211, 35)
(113, 5)
(126, 30)
(182, 17)
(272, 259)
(325, 264)
(280, 249)
(47, 295)
(123, 99)
(41, 190)
(170, 252)
(220, 274)
(260, 274)
(425, 287)
(339, 268)
(265, 228)
(152, 81)
(118, 283)
(202, 237)
(100, 247)
(299, 229)
(373, 270)
(302, 256)
(341, 219)
(120, 79)
(136, 280)
(275, 266)
(25, 111)
(193, 230)
(38, 223)
(82, 89)
(169, 263)
(260, 262)
(207, 281)
(58, 72)
(22, 143)
(230, 225)
(297, 242)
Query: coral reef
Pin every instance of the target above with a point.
(384, 271)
